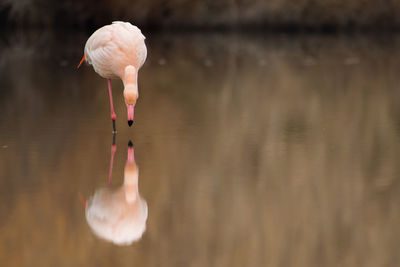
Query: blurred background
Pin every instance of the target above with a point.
(267, 133)
(205, 14)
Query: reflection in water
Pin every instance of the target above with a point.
(119, 215)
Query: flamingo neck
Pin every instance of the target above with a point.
(130, 76)
(131, 93)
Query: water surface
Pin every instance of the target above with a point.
(253, 151)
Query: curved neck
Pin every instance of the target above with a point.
(131, 92)
(130, 75)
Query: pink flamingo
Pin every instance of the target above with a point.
(118, 51)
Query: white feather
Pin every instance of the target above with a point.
(113, 47)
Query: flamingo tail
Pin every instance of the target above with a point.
(80, 63)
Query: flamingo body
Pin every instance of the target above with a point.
(112, 48)
(118, 51)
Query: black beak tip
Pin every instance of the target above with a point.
(130, 143)
(130, 122)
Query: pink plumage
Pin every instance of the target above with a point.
(118, 51)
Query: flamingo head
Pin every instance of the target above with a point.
(130, 95)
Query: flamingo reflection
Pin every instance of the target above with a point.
(119, 215)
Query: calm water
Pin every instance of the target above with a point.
(252, 151)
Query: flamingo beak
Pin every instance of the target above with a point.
(130, 108)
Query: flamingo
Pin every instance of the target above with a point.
(118, 51)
